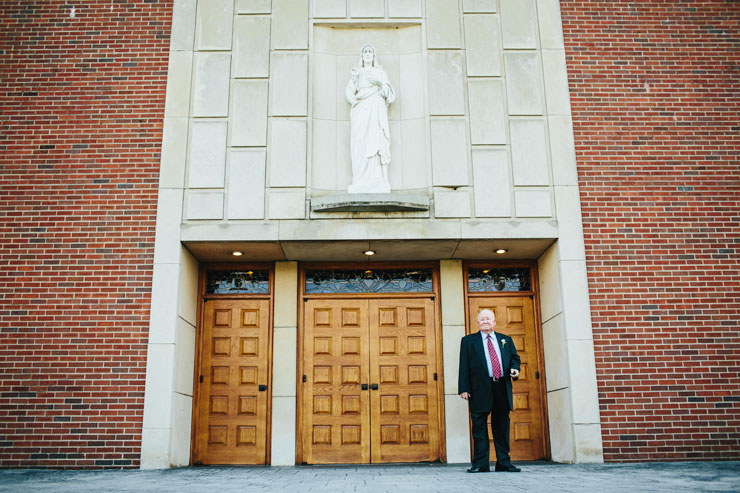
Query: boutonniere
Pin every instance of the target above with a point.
(503, 342)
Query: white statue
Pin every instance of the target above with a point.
(369, 92)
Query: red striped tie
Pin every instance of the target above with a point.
(495, 366)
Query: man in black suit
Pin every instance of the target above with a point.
(488, 362)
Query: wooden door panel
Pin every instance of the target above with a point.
(404, 417)
(335, 408)
(232, 411)
(515, 317)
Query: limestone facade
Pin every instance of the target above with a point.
(256, 126)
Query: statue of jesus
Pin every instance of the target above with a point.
(369, 92)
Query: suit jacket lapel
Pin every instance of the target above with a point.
(504, 351)
(478, 342)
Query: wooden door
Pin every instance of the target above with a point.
(403, 420)
(370, 393)
(515, 318)
(336, 411)
(231, 423)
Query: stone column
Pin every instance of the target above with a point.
(453, 329)
(284, 354)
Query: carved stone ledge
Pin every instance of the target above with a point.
(370, 202)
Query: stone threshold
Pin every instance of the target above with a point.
(370, 202)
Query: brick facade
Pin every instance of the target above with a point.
(654, 92)
(654, 88)
(82, 101)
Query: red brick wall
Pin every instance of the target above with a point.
(654, 91)
(82, 103)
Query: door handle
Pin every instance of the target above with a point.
(364, 386)
(262, 388)
(374, 386)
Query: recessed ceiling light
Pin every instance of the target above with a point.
(501, 251)
(369, 252)
(237, 253)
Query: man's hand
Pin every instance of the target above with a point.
(465, 395)
(514, 373)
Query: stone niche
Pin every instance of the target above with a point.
(336, 49)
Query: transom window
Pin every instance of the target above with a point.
(487, 280)
(369, 281)
(238, 282)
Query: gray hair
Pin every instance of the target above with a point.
(487, 310)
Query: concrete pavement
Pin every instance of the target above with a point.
(537, 476)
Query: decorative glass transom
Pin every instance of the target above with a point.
(369, 281)
(495, 280)
(237, 282)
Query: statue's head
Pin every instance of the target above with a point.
(367, 56)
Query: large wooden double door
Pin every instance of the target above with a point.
(515, 318)
(232, 398)
(370, 388)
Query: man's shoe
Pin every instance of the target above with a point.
(509, 468)
(479, 469)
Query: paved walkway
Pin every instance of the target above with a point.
(540, 476)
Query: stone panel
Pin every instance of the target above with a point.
(183, 25)
(576, 307)
(287, 204)
(453, 298)
(556, 354)
(449, 152)
(550, 287)
(159, 385)
(252, 46)
(570, 227)
(518, 21)
(482, 46)
(583, 382)
(325, 86)
(174, 153)
(366, 8)
(523, 83)
(411, 90)
(529, 152)
(324, 155)
(215, 20)
(446, 94)
(249, 113)
(179, 72)
(443, 24)
(448, 203)
(532, 203)
(246, 187)
(207, 154)
(344, 156)
(289, 79)
(329, 8)
(253, 6)
(205, 204)
(551, 26)
(211, 88)
(169, 217)
(484, 6)
(404, 8)
(290, 24)
(288, 153)
(562, 150)
(415, 170)
(486, 107)
(492, 189)
(556, 82)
